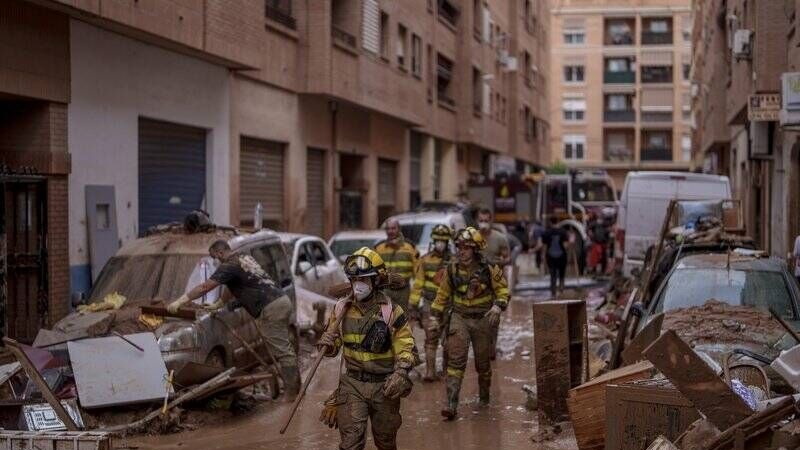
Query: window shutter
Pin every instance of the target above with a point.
(371, 26)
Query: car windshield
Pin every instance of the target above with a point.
(145, 277)
(418, 234)
(694, 287)
(342, 247)
(288, 247)
(592, 191)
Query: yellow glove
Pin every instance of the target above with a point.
(397, 385)
(329, 408)
(493, 315)
(173, 307)
(214, 306)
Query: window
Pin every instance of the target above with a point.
(372, 21)
(281, 11)
(657, 140)
(444, 78)
(529, 18)
(416, 55)
(574, 37)
(574, 110)
(656, 74)
(686, 147)
(477, 18)
(448, 12)
(384, 31)
(402, 42)
(477, 91)
(574, 74)
(574, 146)
(528, 68)
(659, 26)
(619, 65)
(617, 102)
(271, 258)
(687, 72)
(530, 124)
(619, 32)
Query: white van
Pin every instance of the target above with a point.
(644, 201)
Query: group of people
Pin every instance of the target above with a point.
(456, 297)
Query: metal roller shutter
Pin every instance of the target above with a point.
(261, 180)
(315, 201)
(172, 172)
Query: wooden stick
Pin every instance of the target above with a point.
(785, 325)
(250, 348)
(36, 377)
(183, 313)
(117, 334)
(311, 373)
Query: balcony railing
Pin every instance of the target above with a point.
(656, 154)
(281, 16)
(343, 37)
(445, 99)
(619, 39)
(627, 115)
(619, 77)
(664, 76)
(619, 155)
(656, 116)
(656, 38)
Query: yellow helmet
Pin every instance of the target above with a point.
(364, 262)
(441, 232)
(470, 236)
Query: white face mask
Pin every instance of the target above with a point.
(361, 290)
(440, 246)
(484, 226)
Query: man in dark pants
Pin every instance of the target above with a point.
(555, 240)
(261, 298)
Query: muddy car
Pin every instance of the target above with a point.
(344, 243)
(158, 268)
(311, 262)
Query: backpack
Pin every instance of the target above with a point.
(554, 247)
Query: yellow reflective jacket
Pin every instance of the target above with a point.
(472, 290)
(400, 257)
(426, 282)
(358, 319)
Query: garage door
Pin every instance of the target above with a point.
(172, 172)
(261, 181)
(387, 188)
(315, 201)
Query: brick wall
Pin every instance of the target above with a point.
(57, 248)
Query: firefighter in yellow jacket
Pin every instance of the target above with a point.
(423, 292)
(471, 297)
(377, 347)
(400, 257)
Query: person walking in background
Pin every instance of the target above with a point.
(400, 257)
(554, 240)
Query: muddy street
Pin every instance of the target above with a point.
(504, 424)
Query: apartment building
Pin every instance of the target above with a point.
(746, 111)
(620, 97)
(330, 114)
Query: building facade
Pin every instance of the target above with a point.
(743, 129)
(330, 114)
(620, 97)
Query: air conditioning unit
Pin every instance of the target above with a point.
(742, 44)
(509, 63)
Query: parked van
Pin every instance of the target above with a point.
(643, 204)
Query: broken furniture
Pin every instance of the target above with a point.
(123, 375)
(697, 381)
(637, 412)
(55, 440)
(559, 346)
(587, 404)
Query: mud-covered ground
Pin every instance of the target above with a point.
(505, 424)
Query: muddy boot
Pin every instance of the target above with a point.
(430, 365)
(453, 388)
(291, 378)
(484, 389)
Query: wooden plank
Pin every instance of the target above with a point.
(696, 381)
(161, 311)
(648, 335)
(36, 377)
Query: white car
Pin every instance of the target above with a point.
(344, 243)
(417, 227)
(312, 263)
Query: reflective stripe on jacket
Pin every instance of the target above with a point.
(425, 282)
(400, 258)
(489, 288)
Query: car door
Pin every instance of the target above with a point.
(330, 269)
(305, 269)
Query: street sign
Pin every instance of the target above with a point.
(764, 107)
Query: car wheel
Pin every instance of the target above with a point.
(215, 358)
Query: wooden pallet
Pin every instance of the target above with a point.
(55, 440)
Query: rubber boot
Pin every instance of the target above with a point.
(291, 378)
(430, 365)
(453, 389)
(484, 388)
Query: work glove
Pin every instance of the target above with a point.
(326, 343)
(493, 315)
(329, 408)
(173, 307)
(214, 307)
(433, 325)
(397, 385)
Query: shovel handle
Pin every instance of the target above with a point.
(307, 382)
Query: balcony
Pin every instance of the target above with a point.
(656, 154)
(619, 115)
(448, 13)
(446, 100)
(656, 116)
(618, 155)
(618, 39)
(343, 37)
(281, 15)
(656, 38)
(619, 77)
(657, 74)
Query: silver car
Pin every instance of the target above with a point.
(161, 267)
